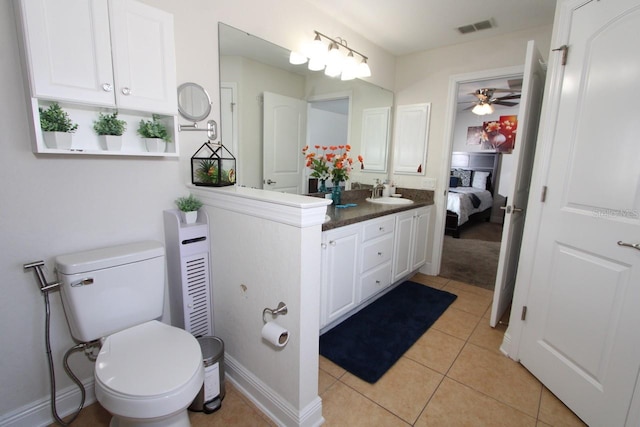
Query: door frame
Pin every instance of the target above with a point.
(454, 82)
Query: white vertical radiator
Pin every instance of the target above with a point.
(187, 247)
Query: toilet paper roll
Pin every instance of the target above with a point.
(275, 334)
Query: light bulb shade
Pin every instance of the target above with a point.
(483, 109)
(316, 64)
(335, 57)
(363, 69)
(297, 58)
(333, 70)
(315, 48)
(350, 68)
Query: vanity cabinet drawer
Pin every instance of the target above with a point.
(377, 252)
(375, 281)
(378, 228)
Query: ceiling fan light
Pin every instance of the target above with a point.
(483, 109)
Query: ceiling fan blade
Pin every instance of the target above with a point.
(505, 103)
(501, 98)
(504, 90)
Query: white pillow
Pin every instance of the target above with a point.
(480, 180)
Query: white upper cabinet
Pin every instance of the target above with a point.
(115, 53)
(410, 136)
(143, 53)
(68, 50)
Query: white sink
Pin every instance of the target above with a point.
(390, 201)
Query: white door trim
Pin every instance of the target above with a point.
(450, 119)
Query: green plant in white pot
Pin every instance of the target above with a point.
(189, 208)
(57, 127)
(154, 133)
(110, 129)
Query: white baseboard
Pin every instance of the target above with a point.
(505, 347)
(268, 401)
(38, 413)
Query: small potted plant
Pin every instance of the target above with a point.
(110, 129)
(57, 127)
(154, 133)
(189, 208)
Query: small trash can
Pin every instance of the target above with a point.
(209, 399)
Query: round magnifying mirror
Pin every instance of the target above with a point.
(193, 102)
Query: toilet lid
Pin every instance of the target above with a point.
(148, 360)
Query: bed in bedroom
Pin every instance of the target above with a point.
(471, 187)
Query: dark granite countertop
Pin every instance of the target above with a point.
(366, 210)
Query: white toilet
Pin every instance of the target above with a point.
(147, 373)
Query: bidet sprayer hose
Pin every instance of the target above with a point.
(52, 375)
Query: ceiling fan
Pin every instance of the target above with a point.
(486, 100)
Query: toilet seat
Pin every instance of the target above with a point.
(151, 368)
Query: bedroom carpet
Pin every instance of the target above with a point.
(471, 261)
(370, 342)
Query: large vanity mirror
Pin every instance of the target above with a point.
(265, 101)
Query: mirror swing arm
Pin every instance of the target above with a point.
(212, 129)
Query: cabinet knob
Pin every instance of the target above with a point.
(379, 253)
(377, 282)
(126, 91)
(381, 229)
(323, 246)
(107, 87)
(332, 243)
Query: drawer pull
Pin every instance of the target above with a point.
(379, 253)
(381, 229)
(377, 282)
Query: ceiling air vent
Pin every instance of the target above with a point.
(482, 25)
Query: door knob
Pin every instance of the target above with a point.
(509, 209)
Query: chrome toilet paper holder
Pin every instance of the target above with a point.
(275, 312)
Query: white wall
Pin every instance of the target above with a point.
(54, 204)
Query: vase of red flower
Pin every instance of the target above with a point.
(332, 162)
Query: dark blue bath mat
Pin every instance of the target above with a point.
(368, 343)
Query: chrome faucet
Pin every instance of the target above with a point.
(377, 190)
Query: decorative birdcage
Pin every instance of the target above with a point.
(213, 166)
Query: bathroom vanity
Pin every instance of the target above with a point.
(369, 247)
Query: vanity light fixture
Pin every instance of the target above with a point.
(335, 58)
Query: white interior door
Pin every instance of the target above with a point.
(229, 124)
(580, 336)
(284, 137)
(523, 155)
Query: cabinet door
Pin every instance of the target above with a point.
(411, 132)
(340, 258)
(68, 54)
(143, 57)
(402, 245)
(420, 237)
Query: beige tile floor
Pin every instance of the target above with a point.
(454, 375)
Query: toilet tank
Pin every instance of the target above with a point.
(110, 289)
